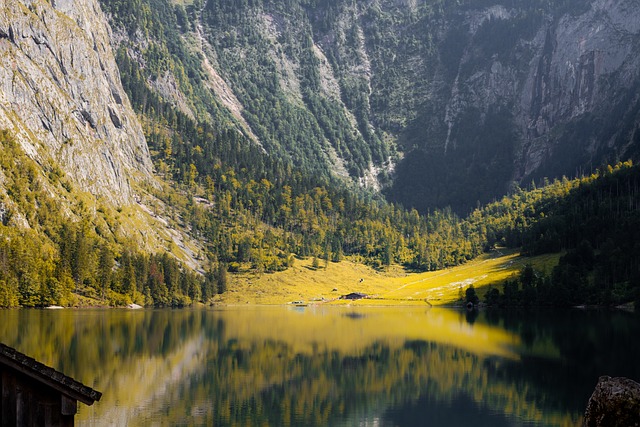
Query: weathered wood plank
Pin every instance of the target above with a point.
(14, 360)
(33, 394)
(8, 400)
(20, 421)
(69, 406)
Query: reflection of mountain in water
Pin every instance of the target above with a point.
(271, 366)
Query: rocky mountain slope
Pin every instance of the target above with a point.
(522, 95)
(262, 116)
(442, 103)
(62, 98)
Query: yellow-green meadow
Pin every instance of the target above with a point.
(303, 284)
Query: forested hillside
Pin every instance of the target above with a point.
(248, 224)
(248, 208)
(594, 219)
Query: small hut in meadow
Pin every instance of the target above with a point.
(354, 296)
(34, 394)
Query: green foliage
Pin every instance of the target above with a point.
(594, 219)
(57, 258)
(290, 130)
(253, 222)
(221, 278)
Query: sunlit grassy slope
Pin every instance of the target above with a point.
(392, 287)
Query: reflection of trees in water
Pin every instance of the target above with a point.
(153, 359)
(329, 387)
(471, 315)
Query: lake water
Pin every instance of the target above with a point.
(331, 366)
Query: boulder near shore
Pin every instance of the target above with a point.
(614, 402)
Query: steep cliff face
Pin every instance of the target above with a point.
(574, 66)
(61, 95)
(523, 94)
(581, 76)
(62, 100)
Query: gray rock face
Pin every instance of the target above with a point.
(582, 60)
(568, 70)
(61, 95)
(614, 402)
(564, 83)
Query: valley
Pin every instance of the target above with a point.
(199, 146)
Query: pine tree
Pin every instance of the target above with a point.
(470, 296)
(221, 278)
(105, 269)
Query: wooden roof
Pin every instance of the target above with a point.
(26, 365)
(354, 295)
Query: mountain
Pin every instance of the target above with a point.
(137, 183)
(436, 103)
(142, 141)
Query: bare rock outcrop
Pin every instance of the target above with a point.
(62, 98)
(614, 402)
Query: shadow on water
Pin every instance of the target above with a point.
(566, 351)
(460, 411)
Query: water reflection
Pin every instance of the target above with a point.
(330, 366)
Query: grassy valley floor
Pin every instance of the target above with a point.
(394, 286)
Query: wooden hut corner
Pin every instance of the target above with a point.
(34, 394)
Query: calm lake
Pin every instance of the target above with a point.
(331, 366)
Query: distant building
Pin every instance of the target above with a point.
(354, 296)
(34, 394)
